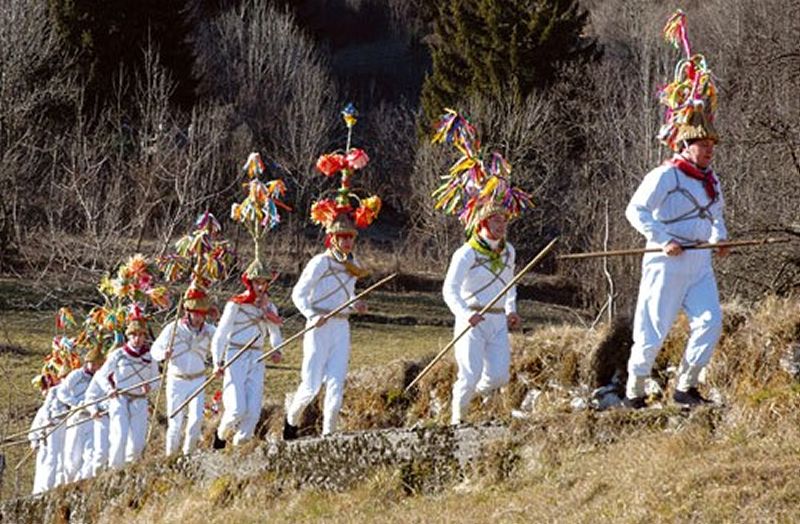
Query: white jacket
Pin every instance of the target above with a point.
(124, 368)
(189, 349)
(324, 285)
(72, 390)
(670, 205)
(238, 324)
(471, 283)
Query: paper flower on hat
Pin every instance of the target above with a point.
(474, 185)
(327, 211)
(65, 318)
(136, 281)
(259, 211)
(691, 98)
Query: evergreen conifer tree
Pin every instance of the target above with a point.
(489, 47)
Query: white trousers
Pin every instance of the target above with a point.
(242, 389)
(40, 474)
(483, 356)
(50, 462)
(668, 285)
(178, 390)
(77, 450)
(326, 354)
(100, 430)
(127, 429)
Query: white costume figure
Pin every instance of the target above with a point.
(78, 437)
(49, 455)
(669, 206)
(483, 355)
(125, 367)
(679, 204)
(99, 425)
(243, 385)
(185, 373)
(327, 282)
(324, 285)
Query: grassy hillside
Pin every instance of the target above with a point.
(731, 463)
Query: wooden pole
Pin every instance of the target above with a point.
(167, 360)
(640, 251)
(538, 258)
(327, 316)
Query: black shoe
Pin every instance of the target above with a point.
(289, 431)
(689, 398)
(634, 403)
(218, 442)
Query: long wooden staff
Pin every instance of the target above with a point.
(82, 406)
(640, 251)
(100, 414)
(327, 316)
(538, 258)
(167, 360)
(214, 375)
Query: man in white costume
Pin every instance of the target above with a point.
(78, 446)
(125, 367)
(49, 450)
(679, 204)
(672, 209)
(478, 271)
(186, 351)
(246, 315)
(327, 282)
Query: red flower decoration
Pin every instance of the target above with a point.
(356, 159)
(331, 164)
(364, 217)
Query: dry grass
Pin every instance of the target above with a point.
(730, 464)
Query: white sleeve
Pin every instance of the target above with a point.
(651, 192)
(719, 232)
(159, 348)
(66, 390)
(103, 375)
(219, 341)
(451, 290)
(40, 419)
(301, 292)
(275, 337)
(511, 294)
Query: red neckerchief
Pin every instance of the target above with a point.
(704, 175)
(247, 297)
(132, 352)
(86, 370)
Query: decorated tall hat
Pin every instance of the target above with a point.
(346, 212)
(135, 321)
(203, 254)
(258, 212)
(690, 100)
(477, 185)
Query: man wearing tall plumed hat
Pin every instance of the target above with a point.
(185, 344)
(47, 446)
(479, 191)
(49, 442)
(328, 281)
(679, 204)
(248, 314)
(124, 367)
(78, 440)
